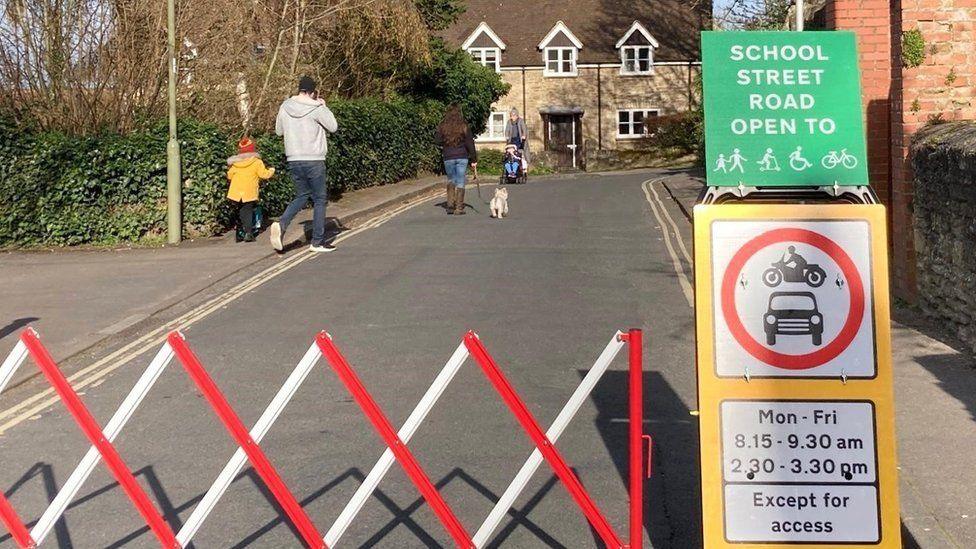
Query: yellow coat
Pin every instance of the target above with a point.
(245, 174)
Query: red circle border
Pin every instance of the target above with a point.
(785, 361)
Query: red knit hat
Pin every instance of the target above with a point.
(246, 145)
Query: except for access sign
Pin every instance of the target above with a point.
(829, 446)
(794, 376)
(783, 109)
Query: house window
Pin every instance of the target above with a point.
(560, 61)
(488, 57)
(630, 122)
(637, 60)
(495, 131)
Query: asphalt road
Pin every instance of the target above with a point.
(579, 258)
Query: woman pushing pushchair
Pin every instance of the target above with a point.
(516, 166)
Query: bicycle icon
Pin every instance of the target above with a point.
(832, 160)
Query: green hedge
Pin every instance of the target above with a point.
(61, 190)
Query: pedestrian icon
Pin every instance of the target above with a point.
(798, 162)
(768, 162)
(794, 268)
(721, 164)
(832, 160)
(737, 161)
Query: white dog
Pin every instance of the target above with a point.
(499, 203)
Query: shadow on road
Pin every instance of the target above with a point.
(672, 503)
(16, 325)
(956, 377)
(401, 516)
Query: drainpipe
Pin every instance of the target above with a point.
(599, 110)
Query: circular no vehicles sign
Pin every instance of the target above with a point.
(792, 299)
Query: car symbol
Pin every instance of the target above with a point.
(793, 313)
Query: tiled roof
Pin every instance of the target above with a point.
(598, 24)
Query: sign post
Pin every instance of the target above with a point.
(782, 109)
(792, 316)
(795, 377)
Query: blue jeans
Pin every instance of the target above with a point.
(456, 170)
(309, 178)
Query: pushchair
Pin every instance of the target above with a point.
(514, 169)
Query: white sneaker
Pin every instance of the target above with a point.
(324, 248)
(276, 236)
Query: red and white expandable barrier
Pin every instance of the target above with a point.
(397, 450)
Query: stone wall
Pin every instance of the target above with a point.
(943, 158)
(599, 92)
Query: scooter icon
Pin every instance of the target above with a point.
(793, 268)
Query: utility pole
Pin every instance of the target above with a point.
(799, 15)
(174, 216)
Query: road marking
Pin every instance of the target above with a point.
(656, 203)
(42, 400)
(667, 215)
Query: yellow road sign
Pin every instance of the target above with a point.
(794, 376)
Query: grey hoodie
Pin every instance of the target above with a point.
(303, 122)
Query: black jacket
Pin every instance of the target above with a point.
(464, 150)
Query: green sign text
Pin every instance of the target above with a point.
(783, 109)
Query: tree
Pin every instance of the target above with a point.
(439, 14)
(755, 14)
(453, 77)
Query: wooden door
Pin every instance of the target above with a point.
(562, 139)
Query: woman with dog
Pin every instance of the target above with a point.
(457, 145)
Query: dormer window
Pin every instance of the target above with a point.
(488, 57)
(637, 51)
(560, 51)
(561, 62)
(485, 47)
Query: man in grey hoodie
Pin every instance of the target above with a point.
(303, 120)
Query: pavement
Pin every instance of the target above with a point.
(79, 298)
(580, 257)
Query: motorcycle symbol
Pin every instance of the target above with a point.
(793, 268)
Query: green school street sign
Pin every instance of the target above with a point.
(783, 109)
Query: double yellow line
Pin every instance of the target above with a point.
(37, 403)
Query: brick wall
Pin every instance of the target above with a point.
(900, 100)
(666, 90)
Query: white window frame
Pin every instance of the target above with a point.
(562, 57)
(630, 122)
(637, 59)
(492, 137)
(480, 56)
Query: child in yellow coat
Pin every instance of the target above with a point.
(245, 172)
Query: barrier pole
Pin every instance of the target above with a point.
(10, 364)
(98, 439)
(393, 442)
(255, 455)
(258, 432)
(549, 451)
(14, 525)
(405, 433)
(112, 429)
(559, 425)
(635, 346)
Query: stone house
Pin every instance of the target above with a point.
(585, 73)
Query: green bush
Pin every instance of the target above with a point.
(491, 162)
(453, 77)
(63, 190)
(682, 132)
